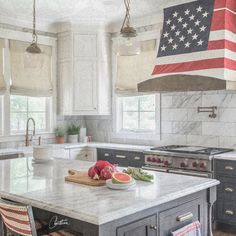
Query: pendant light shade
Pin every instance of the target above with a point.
(34, 48)
(128, 46)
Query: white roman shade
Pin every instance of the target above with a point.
(2, 81)
(132, 70)
(31, 74)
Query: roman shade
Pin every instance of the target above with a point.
(2, 81)
(31, 74)
(132, 70)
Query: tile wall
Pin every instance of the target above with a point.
(180, 121)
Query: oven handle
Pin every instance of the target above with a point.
(190, 173)
(154, 168)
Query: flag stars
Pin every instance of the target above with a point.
(200, 42)
(166, 34)
(190, 31)
(182, 38)
(187, 44)
(177, 33)
(174, 47)
(203, 28)
(175, 14)
(205, 14)
(199, 9)
(170, 40)
(187, 12)
(185, 25)
(195, 36)
(168, 22)
(173, 27)
(163, 48)
(180, 19)
(197, 22)
(192, 17)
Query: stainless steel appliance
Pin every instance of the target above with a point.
(181, 159)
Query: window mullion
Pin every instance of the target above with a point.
(139, 109)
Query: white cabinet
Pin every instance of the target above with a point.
(84, 154)
(84, 73)
(61, 153)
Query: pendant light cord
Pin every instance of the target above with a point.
(34, 23)
(127, 15)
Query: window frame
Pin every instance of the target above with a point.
(121, 111)
(5, 134)
(116, 132)
(47, 117)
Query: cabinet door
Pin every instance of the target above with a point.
(65, 87)
(60, 153)
(143, 227)
(85, 45)
(84, 87)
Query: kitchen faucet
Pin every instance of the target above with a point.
(27, 140)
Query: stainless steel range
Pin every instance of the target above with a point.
(180, 159)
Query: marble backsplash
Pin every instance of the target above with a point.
(180, 121)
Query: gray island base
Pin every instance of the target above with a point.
(147, 209)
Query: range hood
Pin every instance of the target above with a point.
(197, 48)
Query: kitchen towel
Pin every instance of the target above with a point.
(192, 229)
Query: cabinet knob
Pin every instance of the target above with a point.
(229, 190)
(121, 156)
(137, 158)
(229, 212)
(229, 168)
(153, 227)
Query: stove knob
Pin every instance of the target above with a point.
(195, 164)
(149, 158)
(203, 165)
(166, 163)
(183, 165)
(153, 159)
(158, 160)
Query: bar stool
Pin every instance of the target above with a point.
(19, 220)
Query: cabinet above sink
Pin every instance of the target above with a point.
(84, 73)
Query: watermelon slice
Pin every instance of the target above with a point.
(121, 178)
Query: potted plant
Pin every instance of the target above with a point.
(60, 135)
(73, 133)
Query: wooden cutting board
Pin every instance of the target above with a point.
(81, 177)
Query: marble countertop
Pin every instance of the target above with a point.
(43, 186)
(231, 156)
(29, 150)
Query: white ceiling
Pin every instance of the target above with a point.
(52, 11)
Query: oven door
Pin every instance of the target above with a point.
(192, 173)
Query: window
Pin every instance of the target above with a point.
(23, 107)
(137, 113)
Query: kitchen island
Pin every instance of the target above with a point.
(157, 208)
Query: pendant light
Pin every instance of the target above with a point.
(128, 47)
(34, 48)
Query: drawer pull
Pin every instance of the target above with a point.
(229, 212)
(184, 217)
(153, 227)
(229, 168)
(137, 158)
(229, 190)
(106, 155)
(120, 156)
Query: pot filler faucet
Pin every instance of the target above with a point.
(27, 140)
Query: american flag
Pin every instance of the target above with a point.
(198, 38)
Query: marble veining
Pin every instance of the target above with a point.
(43, 186)
(231, 156)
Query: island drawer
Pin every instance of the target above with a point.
(226, 190)
(142, 227)
(121, 157)
(225, 167)
(226, 212)
(175, 218)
